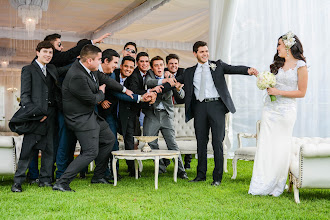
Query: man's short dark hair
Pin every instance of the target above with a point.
(141, 54)
(109, 54)
(172, 56)
(131, 43)
(52, 37)
(128, 58)
(198, 44)
(44, 44)
(154, 59)
(89, 51)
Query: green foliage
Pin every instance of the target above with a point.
(138, 199)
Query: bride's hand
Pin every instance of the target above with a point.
(273, 91)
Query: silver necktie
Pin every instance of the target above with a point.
(44, 71)
(201, 94)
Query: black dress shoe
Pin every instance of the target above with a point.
(197, 179)
(62, 187)
(102, 180)
(16, 187)
(183, 175)
(43, 184)
(215, 183)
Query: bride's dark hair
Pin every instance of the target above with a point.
(297, 52)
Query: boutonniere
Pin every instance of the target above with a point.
(213, 66)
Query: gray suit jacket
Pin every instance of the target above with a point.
(165, 98)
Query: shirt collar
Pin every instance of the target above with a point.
(100, 68)
(88, 71)
(159, 77)
(40, 65)
(143, 74)
(199, 65)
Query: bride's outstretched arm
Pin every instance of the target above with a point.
(302, 86)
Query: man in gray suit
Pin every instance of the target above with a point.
(160, 116)
(82, 90)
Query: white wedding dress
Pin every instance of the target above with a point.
(271, 164)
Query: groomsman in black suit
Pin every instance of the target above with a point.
(38, 109)
(128, 111)
(208, 100)
(82, 90)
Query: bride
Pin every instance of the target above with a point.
(272, 158)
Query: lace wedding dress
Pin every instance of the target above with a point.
(271, 164)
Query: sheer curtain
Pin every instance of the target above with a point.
(256, 29)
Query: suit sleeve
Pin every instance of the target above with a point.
(26, 86)
(63, 57)
(124, 97)
(79, 87)
(109, 82)
(228, 69)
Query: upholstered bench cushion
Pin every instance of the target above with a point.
(313, 147)
(250, 151)
(6, 142)
(319, 150)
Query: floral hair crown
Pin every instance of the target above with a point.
(288, 39)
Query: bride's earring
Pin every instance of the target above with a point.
(287, 52)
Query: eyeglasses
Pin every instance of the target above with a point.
(130, 50)
(59, 44)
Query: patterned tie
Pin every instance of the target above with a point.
(44, 71)
(201, 94)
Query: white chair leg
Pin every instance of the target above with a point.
(91, 166)
(140, 165)
(225, 163)
(296, 193)
(234, 168)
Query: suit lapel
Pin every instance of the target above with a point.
(87, 74)
(35, 64)
(52, 72)
(213, 73)
(191, 78)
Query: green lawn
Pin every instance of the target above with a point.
(138, 199)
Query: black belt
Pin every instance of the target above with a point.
(211, 99)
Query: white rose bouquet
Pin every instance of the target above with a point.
(266, 80)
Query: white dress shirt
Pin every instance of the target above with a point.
(210, 89)
(41, 66)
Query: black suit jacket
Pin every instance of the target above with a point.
(218, 76)
(81, 94)
(34, 97)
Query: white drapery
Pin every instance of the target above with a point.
(256, 29)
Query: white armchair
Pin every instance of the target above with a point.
(310, 164)
(8, 159)
(245, 153)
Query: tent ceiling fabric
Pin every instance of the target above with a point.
(166, 24)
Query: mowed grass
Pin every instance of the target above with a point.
(138, 199)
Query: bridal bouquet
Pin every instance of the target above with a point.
(266, 80)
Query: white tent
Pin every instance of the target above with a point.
(238, 31)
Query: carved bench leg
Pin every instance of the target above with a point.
(234, 168)
(296, 193)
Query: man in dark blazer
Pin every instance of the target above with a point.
(108, 109)
(82, 90)
(38, 87)
(130, 111)
(208, 100)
